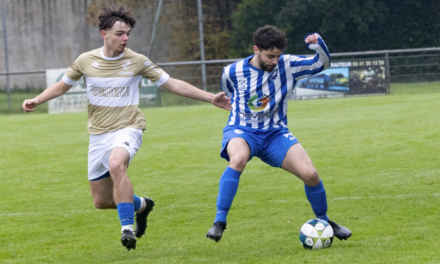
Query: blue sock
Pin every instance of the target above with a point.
(227, 189)
(137, 202)
(126, 213)
(318, 200)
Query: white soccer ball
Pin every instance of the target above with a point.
(316, 234)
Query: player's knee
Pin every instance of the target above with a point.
(115, 167)
(311, 177)
(238, 162)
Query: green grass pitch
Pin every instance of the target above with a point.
(169, 99)
(378, 158)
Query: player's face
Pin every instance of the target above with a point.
(267, 59)
(116, 38)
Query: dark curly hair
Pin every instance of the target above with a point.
(269, 37)
(111, 14)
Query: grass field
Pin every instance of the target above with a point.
(415, 88)
(378, 158)
(17, 99)
(169, 99)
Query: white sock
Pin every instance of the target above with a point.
(127, 227)
(143, 206)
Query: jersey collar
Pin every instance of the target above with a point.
(110, 58)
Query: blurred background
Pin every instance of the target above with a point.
(402, 37)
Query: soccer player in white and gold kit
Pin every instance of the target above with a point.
(113, 74)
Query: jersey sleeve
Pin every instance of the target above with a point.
(154, 73)
(226, 85)
(74, 73)
(303, 67)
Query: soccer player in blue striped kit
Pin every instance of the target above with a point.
(260, 87)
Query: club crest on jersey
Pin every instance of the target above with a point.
(126, 64)
(242, 84)
(258, 105)
(273, 75)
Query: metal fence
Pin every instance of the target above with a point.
(408, 71)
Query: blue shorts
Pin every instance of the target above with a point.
(270, 145)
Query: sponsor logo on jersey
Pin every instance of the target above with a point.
(126, 64)
(238, 131)
(258, 105)
(130, 73)
(110, 91)
(147, 63)
(96, 64)
(260, 116)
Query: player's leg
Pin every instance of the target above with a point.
(130, 139)
(102, 192)
(123, 194)
(239, 154)
(298, 162)
(111, 153)
(122, 187)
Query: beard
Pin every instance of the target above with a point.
(264, 66)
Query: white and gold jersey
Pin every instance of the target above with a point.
(113, 88)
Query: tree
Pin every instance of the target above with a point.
(250, 15)
(217, 25)
(345, 25)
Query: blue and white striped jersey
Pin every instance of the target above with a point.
(259, 98)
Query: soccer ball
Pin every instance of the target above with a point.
(316, 234)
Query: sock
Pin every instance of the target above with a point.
(227, 189)
(142, 206)
(125, 227)
(126, 214)
(318, 200)
(137, 202)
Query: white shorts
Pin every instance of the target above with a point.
(100, 147)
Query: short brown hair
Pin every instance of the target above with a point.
(110, 15)
(269, 37)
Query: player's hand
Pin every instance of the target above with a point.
(222, 101)
(30, 104)
(312, 39)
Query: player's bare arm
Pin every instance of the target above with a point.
(185, 89)
(53, 91)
